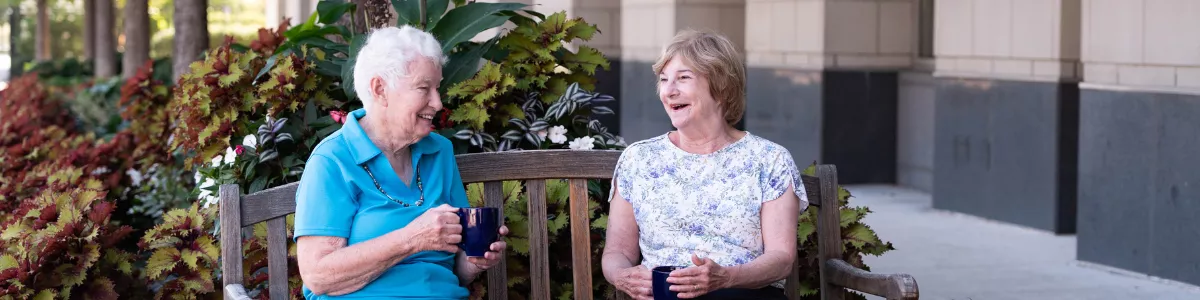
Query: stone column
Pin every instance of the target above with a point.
(1139, 135)
(1007, 110)
(646, 27)
(822, 80)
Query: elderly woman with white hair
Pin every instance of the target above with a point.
(376, 205)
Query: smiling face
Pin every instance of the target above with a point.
(686, 96)
(409, 106)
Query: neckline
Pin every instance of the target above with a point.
(667, 139)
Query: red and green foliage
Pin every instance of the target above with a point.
(60, 243)
(215, 101)
(183, 255)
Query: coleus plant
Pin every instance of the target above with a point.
(183, 255)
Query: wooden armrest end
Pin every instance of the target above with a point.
(236, 292)
(890, 286)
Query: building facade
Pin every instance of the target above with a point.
(1070, 116)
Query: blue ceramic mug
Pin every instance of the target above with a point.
(481, 228)
(662, 288)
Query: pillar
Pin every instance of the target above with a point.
(822, 80)
(1139, 133)
(1007, 110)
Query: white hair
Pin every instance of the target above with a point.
(386, 55)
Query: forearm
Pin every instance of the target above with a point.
(762, 271)
(349, 269)
(466, 271)
(612, 263)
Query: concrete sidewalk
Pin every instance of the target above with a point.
(955, 256)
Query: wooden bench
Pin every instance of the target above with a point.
(534, 168)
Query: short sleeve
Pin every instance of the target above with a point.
(622, 177)
(780, 172)
(325, 203)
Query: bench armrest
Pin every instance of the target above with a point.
(236, 292)
(890, 286)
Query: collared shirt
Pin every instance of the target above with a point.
(336, 197)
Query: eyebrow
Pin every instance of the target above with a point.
(679, 71)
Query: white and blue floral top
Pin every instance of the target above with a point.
(707, 204)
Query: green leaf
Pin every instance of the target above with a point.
(45, 295)
(407, 12)
(601, 222)
(189, 257)
(579, 29)
(587, 58)
(859, 235)
(258, 185)
(332, 10)
(7, 262)
(161, 261)
(435, 10)
(463, 23)
(356, 45)
(464, 64)
(475, 194)
(471, 113)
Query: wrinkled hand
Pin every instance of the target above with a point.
(494, 254)
(635, 281)
(438, 229)
(706, 276)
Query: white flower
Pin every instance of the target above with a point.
(229, 155)
(135, 177)
(541, 134)
(216, 161)
(558, 134)
(250, 141)
(100, 171)
(583, 143)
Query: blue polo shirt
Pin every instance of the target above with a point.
(336, 197)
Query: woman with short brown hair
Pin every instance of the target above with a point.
(721, 202)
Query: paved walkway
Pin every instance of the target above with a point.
(955, 256)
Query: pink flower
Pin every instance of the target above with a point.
(239, 149)
(338, 116)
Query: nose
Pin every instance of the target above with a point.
(436, 101)
(669, 89)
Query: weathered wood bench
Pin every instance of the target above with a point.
(534, 168)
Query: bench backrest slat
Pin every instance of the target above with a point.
(581, 240)
(539, 257)
(277, 261)
(493, 196)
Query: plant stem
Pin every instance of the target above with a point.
(423, 15)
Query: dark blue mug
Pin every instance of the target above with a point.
(481, 228)
(662, 288)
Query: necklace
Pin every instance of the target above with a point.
(385, 194)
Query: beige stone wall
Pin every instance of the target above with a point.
(1009, 39)
(1144, 44)
(819, 34)
(648, 25)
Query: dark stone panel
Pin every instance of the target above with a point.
(859, 125)
(998, 151)
(1175, 235)
(608, 82)
(960, 131)
(642, 115)
(1118, 151)
(784, 106)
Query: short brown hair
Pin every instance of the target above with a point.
(717, 59)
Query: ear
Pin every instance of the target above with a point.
(378, 90)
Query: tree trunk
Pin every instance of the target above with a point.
(137, 36)
(368, 14)
(14, 30)
(106, 40)
(89, 36)
(42, 35)
(191, 34)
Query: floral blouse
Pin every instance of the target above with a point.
(708, 204)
